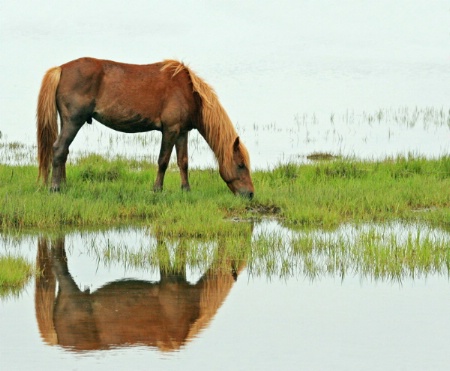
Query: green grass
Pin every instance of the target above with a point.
(14, 273)
(330, 193)
(101, 192)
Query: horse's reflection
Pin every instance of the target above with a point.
(164, 314)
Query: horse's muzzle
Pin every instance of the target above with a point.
(245, 194)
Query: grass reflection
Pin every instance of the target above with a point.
(15, 271)
(372, 251)
(386, 252)
(157, 248)
(376, 252)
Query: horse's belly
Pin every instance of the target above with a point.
(134, 123)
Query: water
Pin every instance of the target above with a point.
(268, 319)
(295, 77)
(271, 65)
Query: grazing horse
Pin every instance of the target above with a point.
(166, 96)
(165, 314)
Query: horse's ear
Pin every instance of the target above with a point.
(236, 145)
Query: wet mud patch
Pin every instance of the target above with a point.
(262, 209)
(321, 156)
(257, 211)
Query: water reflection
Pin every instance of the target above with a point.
(317, 292)
(164, 314)
(387, 252)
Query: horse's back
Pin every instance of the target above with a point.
(126, 97)
(117, 76)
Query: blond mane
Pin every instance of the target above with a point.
(216, 125)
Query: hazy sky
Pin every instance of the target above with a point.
(268, 60)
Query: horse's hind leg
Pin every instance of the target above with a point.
(69, 130)
(181, 146)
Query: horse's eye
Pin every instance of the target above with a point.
(241, 166)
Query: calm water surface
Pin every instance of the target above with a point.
(263, 320)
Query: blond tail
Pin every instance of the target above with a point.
(44, 297)
(47, 121)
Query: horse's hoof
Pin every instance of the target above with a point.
(54, 189)
(186, 188)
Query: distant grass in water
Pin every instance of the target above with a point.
(14, 273)
(321, 156)
(101, 192)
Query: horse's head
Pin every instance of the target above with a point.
(236, 171)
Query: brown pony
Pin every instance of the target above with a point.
(165, 314)
(166, 96)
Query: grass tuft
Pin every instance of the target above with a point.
(14, 273)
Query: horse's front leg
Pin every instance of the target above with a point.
(168, 141)
(181, 146)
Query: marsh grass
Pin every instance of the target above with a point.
(330, 193)
(393, 252)
(101, 192)
(14, 274)
(156, 252)
(374, 252)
